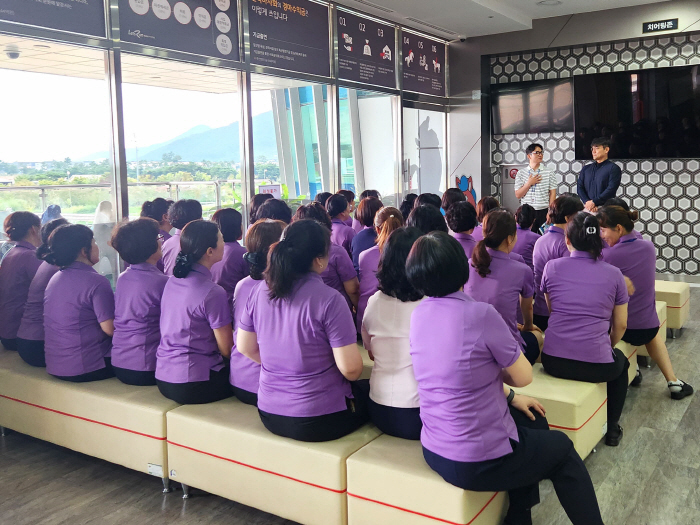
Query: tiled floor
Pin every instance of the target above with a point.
(652, 478)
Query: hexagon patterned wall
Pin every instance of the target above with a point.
(666, 192)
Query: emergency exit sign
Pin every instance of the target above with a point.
(662, 25)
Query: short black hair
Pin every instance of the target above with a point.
(230, 222)
(427, 218)
(323, 197)
(137, 240)
(367, 211)
(392, 265)
(437, 265)
(428, 198)
(156, 208)
(601, 141)
(370, 193)
(452, 196)
(564, 207)
(461, 217)
(314, 211)
(336, 205)
(274, 209)
(407, 204)
(183, 212)
(258, 200)
(618, 201)
(532, 147)
(525, 216)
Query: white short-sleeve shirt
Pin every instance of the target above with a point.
(538, 195)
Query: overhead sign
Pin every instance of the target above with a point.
(202, 27)
(86, 17)
(670, 24)
(366, 50)
(423, 65)
(290, 35)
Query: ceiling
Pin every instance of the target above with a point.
(467, 18)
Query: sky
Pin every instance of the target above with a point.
(51, 117)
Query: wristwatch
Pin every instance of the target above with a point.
(511, 396)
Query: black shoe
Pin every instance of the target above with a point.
(613, 436)
(637, 379)
(685, 391)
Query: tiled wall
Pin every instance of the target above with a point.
(665, 192)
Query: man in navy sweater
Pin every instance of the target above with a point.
(599, 180)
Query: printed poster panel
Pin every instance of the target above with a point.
(86, 17)
(290, 35)
(202, 27)
(366, 50)
(423, 65)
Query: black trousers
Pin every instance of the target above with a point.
(9, 344)
(135, 377)
(327, 427)
(532, 347)
(537, 455)
(97, 375)
(614, 374)
(249, 398)
(541, 321)
(403, 423)
(31, 352)
(199, 392)
(540, 219)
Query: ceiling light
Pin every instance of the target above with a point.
(549, 3)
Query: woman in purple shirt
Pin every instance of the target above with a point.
(258, 200)
(245, 373)
(386, 221)
(505, 283)
(427, 218)
(302, 333)
(462, 353)
(17, 271)
(526, 216)
(367, 237)
(233, 267)
(78, 309)
(195, 322)
(461, 218)
(30, 336)
(551, 245)
(137, 302)
(179, 215)
(356, 224)
(339, 273)
(583, 295)
(157, 209)
(350, 196)
(636, 259)
(485, 205)
(339, 211)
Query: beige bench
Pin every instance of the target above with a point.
(576, 408)
(390, 483)
(106, 419)
(631, 355)
(661, 312)
(676, 295)
(223, 448)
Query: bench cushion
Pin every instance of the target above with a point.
(574, 407)
(224, 448)
(676, 295)
(631, 355)
(106, 419)
(390, 482)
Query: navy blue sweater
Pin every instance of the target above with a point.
(598, 182)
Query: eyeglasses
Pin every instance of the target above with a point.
(540, 153)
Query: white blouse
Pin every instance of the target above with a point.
(385, 333)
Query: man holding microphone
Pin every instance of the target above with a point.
(536, 185)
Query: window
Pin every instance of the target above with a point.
(425, 169)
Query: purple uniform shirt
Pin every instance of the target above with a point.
(164, 237)
(231, 269)
(356, 225)
(467, 241)
(245, 373)
(342, 235)
(583, 293)
(191, 309)
(478, 233)
(170, 249)
(552, 245)
(459, 348)
(296, 336)
(502, 288)
(76, 301)
(16, 273)
(32, 326)
(339, 270)
(137, 317)
(636, 259)
(369, 264)
(525, 244)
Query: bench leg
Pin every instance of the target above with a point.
(185, 491)
(644, 361)
(3, 431)
(166, 486)
(675, 332)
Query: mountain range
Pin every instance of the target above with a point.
(206, 143)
